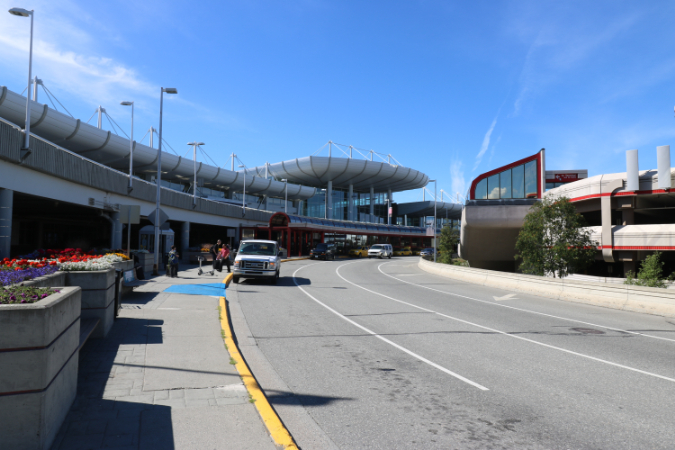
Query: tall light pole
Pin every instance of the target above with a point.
(285, 180)
(131, 146)
(25, 13)
(435, 245)
(155, 267)
(194, 161)
(243, 200)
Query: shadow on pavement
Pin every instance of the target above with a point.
(289, 398)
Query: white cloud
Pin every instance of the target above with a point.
(457, 179)
(485, 145)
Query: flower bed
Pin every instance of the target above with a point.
(24, 294)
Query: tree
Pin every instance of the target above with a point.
(650, 273)
(447, 244)
(553, 239)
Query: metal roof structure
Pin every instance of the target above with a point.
(317, 171)
(112, 150)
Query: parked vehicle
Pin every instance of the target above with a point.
(381, 251)
(359, 252)
(257, 258)
(428, 253)
(403, 251)
(323, 251)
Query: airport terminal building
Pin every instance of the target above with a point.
(72, 187)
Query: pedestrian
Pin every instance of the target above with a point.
(215, 250)
(173, 262)
(225, 256)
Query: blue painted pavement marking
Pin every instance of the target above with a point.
(214, 289)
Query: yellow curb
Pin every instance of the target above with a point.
(295, 259)
(274, 425)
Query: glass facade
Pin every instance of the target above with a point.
(316, 206)
(516, 182)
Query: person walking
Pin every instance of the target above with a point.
(173, 262)
(215, 251)
(225, 256)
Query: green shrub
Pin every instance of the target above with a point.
(650, 273)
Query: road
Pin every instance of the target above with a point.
(377, 354)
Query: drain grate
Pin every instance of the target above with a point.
(587, 331)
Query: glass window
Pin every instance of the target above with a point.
(505, 184)
(481, 190)
(518, 182)
(493, 187)
(531, 179)
(550, 186)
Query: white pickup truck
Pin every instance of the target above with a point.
(257, 258)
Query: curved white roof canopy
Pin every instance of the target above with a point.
(112, 150)
(317, 171)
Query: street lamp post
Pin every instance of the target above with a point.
(158, 180)
(131, 146)
(435, 245)
(285, 180)
(25, 13)
(194, 162)
(243, 199)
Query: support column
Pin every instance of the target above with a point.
(391, 200)
(116, 232)
(350, 203)
(329, 200)
(185, 238)
(372, 204)
(6, 212)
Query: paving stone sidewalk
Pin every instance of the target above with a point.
(162, 379)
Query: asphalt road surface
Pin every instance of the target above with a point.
(377, 354)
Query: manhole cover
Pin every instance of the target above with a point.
(587, 331)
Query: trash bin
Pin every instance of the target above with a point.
(119, 278)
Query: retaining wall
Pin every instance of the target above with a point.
(38, 368)
(53, 280)
(616, 296)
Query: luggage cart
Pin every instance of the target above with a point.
(200, 271)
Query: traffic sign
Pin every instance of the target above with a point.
(162, 217)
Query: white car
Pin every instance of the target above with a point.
(380, 251)
(257, 258)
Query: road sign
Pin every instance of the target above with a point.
(162, 217)
(130, 214)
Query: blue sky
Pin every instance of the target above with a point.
(451, 88)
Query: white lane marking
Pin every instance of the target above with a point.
(528, 310)
(593, 358)
(506, 297)
(403, 349)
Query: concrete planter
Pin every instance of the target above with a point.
(53, 280)
(124, 265)
(38, 368)
(146, 260)
(98, 297)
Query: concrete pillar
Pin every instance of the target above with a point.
(372, 203)
(185, 238)
(350, 203)
(6, 210)
(405, 220)
(117, 231)
(329, 200)
(391, 200)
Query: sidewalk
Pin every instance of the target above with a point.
(162, 377)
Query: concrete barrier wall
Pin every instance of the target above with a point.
(98, 297)
(616, 296)
(38, 368)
